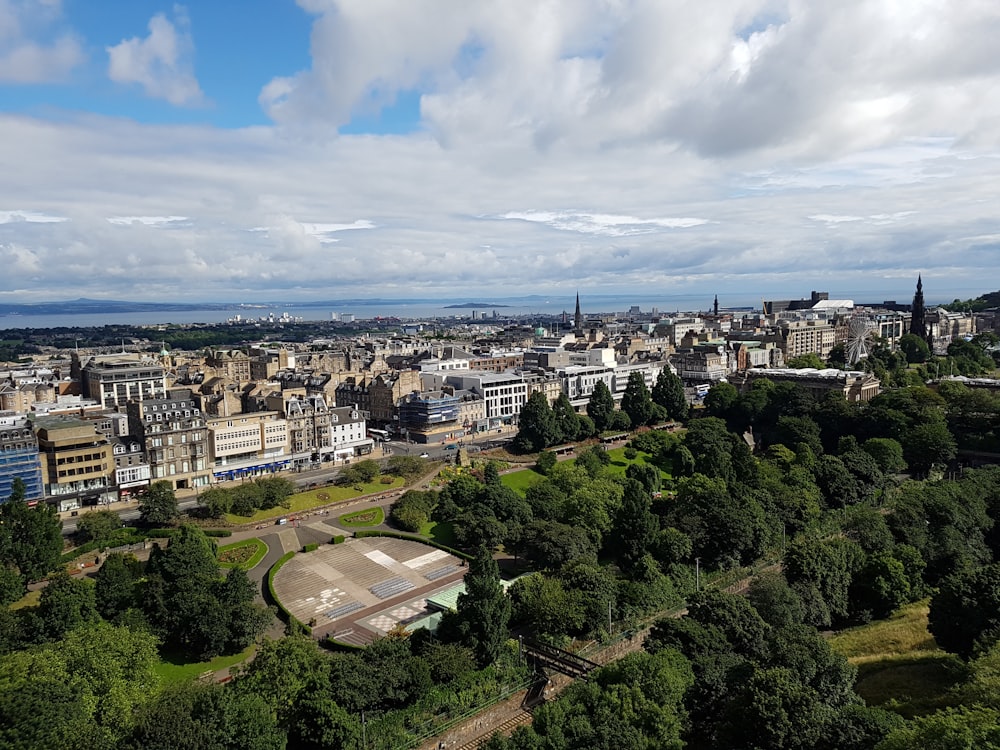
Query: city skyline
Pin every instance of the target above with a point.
(271, 150)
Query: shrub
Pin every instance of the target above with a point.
(311, 547)
(631, 453)
(339, 539)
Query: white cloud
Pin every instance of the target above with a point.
(603, 224)
(162, 63)
(150, 221)
(32, 48)
(7, 217)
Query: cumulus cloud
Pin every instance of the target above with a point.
(780, 76)
(32, 48)
(162, 63)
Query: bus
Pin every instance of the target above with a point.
(378, 435)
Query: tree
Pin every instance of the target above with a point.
(158, 505)
(965, 613)
(276, 490)
(711, 444)
(958, 728)
(724, 531)
(549, 545)
(668, 392)
(636, 401)
(30, 538)
(545, 461)
(537, 425)
(216, 502)
(546, 606)
(888, 454)
(928, 444)
(914, 347)
(720, 398)
(115, 585)
(483, 610)
(810, 359)
(65, 604)
(880, 587)
(601, 406)
(635, 527)
(566, 418)
(98, 526)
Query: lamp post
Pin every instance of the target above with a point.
(697, 574)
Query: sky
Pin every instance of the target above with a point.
(242, 150)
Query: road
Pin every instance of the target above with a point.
(321, 475)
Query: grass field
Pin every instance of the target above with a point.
(30, 599)
(172, 670)
(520, 481)
(362, 518)
(303, 501)
(259, 551)
(899, 665)
(441, 532)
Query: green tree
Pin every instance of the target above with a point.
(965, 612)
(276, 490)
(806, 360)
(888, 454)
(30, 538)
(546, 606)
(98, 526)
(216, 502)
(914, 347)
(928, 444)
(720, 399)
(158, 505)
(483, 610)
(566, 418)
(549, 545)
(545, 461)
(537, 428)
(635, 528)
(636, 401)
(962, 728)
(66, 603)
(724, 531)
(281, 671)
(320, 723)
(601, 406)
(668, 392)
(115, 585)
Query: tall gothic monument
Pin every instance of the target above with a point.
(578, 319)
(918, 326)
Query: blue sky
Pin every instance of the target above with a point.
(313, 149)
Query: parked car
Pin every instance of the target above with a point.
(425, 455)
(451, 447)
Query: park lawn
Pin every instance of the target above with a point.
(172, 669)
(303, 501)
(442, 532)
(30, 599)
(260, 551)
(520, 481)
(899, 665)
(362, 518)
(619, 463)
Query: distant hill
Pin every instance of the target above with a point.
(84, 305)
(982, 302)
(473, 304)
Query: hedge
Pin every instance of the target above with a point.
(339, 539)
(334, 645)
(414, 538)
(311, 547)
(282, 612)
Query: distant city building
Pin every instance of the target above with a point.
(19, 458)
(78, 465)
(855, 385)
(116, 379)
(176, 438)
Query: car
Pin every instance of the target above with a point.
(451, 447)
(425, 455)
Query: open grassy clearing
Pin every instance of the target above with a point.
(899, 665)
(30, 599)
(520, 481)
(246, 554)
(172, 670)
(441, 532)
(316, 498)
(619, 463)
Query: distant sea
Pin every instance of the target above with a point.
(427, 309)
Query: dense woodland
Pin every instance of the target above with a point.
(867, 507)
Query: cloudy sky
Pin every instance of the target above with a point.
(270, 149)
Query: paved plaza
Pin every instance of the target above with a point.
(363, 588)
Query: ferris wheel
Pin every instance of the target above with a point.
(861, 334)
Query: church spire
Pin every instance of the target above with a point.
(715, 306)
(918, 325)
(578, 318)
